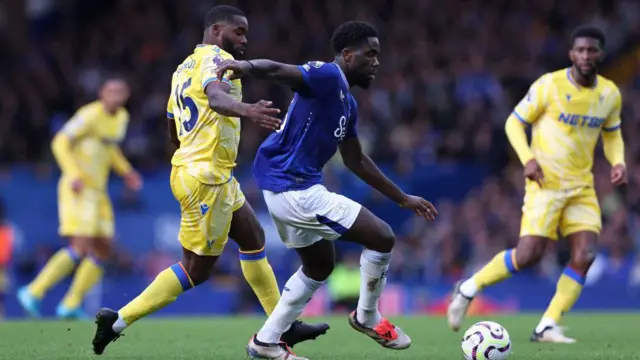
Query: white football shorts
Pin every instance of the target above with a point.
(307, 216)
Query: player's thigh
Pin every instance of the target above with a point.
(206, 212)
(582, 213)
(371, 232)
(541, 212)
(307, 216)
(246, 230)
(78, 212)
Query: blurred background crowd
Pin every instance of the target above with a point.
(450, 74)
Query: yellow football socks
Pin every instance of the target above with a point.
(87, 275)
(259, 274)
(59, 266)
(568, 291)
(165, 289)
(501, 267)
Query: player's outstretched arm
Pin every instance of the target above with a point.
(362, 165)
(261, 112)
(286, 74)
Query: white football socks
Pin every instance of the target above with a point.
(373, 277)
(119, 325)
(297, 292)
(469, 288)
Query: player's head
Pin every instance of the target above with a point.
(227, 27)
(114, 92)
(356, 43)
(587, 49)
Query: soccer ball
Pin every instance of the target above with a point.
(486, 340)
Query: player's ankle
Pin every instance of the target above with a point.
(469, 288)
(544, 323)
(119, 325)
(368, 318)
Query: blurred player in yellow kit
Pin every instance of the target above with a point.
(568, 110)
(86, 150)
(204, 122)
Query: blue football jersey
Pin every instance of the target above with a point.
(321, 115)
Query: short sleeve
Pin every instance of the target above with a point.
(319, 76)
(210, 64)
(534, 104)
(352, 128)
(614, 121)
(80, 124)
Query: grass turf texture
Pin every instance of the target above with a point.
(600, 336)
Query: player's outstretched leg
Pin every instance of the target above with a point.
(568, 289)
(59, 266)
(165, 289)
(317, 264)
(529, 251)
(378, 239)
(248, 233)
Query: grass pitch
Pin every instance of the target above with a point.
(600, 336)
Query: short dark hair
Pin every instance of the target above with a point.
(588, 31)
(351, 33)
(220, 13)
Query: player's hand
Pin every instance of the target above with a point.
(619, 175)
(77, 185)
(238, 69)
(533, 171)
(420, 206)
(263, 114)
(133, 180)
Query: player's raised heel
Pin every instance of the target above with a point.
(105, 318)
(259, 350)
(300, 332)
(385, 333)
(29, 303)
(458, 307)
(551, 334)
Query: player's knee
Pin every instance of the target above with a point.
(319, 271)
(198, 267)
(101, 248)
(530, 251)
(81, 245)
(385, 241)
(583, 258)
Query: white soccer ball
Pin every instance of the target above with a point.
(486, 340)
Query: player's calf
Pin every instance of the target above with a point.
(379, 240)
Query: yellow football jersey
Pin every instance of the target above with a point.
(93, 132)
(567, 120)
(208, 140)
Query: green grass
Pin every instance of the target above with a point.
(600, 336)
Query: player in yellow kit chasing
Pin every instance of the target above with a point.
(568, 110)
(86, 150)
(204, 122)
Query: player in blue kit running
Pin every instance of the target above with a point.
(288, 168)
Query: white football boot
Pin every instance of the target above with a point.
(457, 309)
